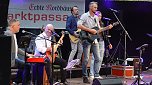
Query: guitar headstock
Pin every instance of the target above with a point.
(64, 32)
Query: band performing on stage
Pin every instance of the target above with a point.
(79, 40)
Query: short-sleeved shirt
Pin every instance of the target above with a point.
(88, 21)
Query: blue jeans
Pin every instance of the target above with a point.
(23, 71)
(102, 50)
(95, 49)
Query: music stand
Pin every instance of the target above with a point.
(24, 43)
(71, 65)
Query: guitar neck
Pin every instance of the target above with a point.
(107, 27)
(104, 29)
(58, 43)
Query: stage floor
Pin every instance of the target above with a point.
(147, 77)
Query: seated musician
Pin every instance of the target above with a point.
(17, 54)
(43, 46)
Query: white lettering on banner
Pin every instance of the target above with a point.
(36, 13)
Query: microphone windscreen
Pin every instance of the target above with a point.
(23, 31)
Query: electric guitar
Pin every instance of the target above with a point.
(91, 37)
(48, 53)
(73, 38)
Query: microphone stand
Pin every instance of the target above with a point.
(43, 37)
(52, 54)
(106, 42)
(126, 34)
(141, 50)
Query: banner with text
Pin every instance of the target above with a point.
(38, 13)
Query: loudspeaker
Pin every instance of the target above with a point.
(5, 59)
(107, 81)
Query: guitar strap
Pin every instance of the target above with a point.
(98, 39)
(96, 22)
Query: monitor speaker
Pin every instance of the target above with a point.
(107, 81)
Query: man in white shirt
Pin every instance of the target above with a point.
(43, 45)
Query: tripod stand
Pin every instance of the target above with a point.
(138, 79)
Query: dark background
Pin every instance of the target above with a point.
(3, 14)
(5, 45)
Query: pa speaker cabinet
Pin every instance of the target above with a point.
(107, 81)
(5, 59)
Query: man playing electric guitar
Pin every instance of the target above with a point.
(71, 27)
(43, 47)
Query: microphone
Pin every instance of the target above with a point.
(23, 31)
(113, 10)
(141, 47)
(104, 18)
(54, 33)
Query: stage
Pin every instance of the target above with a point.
(147, 77)
(76, 77)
